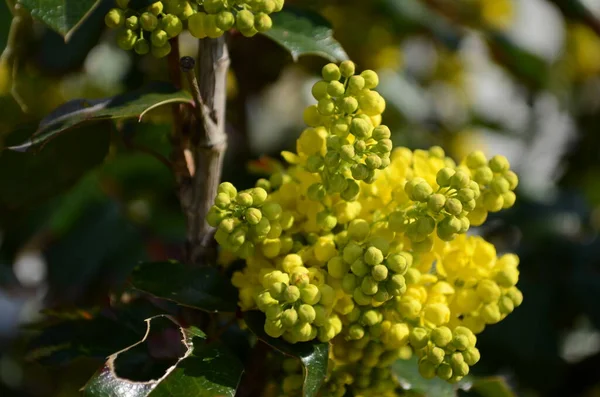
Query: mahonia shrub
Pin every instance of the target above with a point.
(364, 246)
(149, 29)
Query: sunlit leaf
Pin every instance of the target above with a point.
(303, 32)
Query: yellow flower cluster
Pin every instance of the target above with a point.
(365, 247)
(150, 29)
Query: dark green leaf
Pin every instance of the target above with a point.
(212, 370)
(492, 387)
(68, 335)
(30, 177)
(169, 361)
(303, 32)
(313, 355)
(201, 288)
(133, 104)
(61, 15)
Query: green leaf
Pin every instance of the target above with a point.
(62, 16)
(134, 104)
(303, 32)
(28, 178)
(407, 373)
(169, 361)
(313, 355)
(67, 335)
(201, 288)
(492, 387)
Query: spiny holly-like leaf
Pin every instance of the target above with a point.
(62, 16)
(169, 361)
(492, 387)
(303, 32)
(133, 104)
(313, 355)
(201, 288)
(28, 178)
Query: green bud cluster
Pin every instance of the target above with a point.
(368, 272)
(249, 17)
(246, 220)
(369, 250)
(366, 368)
(443, 352)
(496, 182)
(357, 145)
(296, 308)
(443, 211)
(149, 30)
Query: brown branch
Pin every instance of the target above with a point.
(208, 143)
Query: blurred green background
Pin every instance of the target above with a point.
(515, 77)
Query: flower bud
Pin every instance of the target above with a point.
(460, 180)
(506, 305)
(262, 22)
(396, 285)
(499, 164)
(444, 176)
(356, 84)
(310, 294)
(453, 206)
(381, 132)
(271, 210)
(397, 263)
(490, 313)
(435, 355)
(427, 369)
(512, 178)
(326, 107)
(253, 215)
(306, 313)
(141, 47)
(335, 89)
(371, 103)
(371, 79)
(441, 336)
(418, 337)
(483, 175)
(351, 192)
(359, 268)
(373, 256)
(331, 72)
(356, 332)
(115, 18)
(471, 356)
(132, 23)
(488, 291)
(476, 159)
(360, 128)
(291, 294)
(436, 202)
(148, 21)
(508, 199)
(347, 68)
(420, 191)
